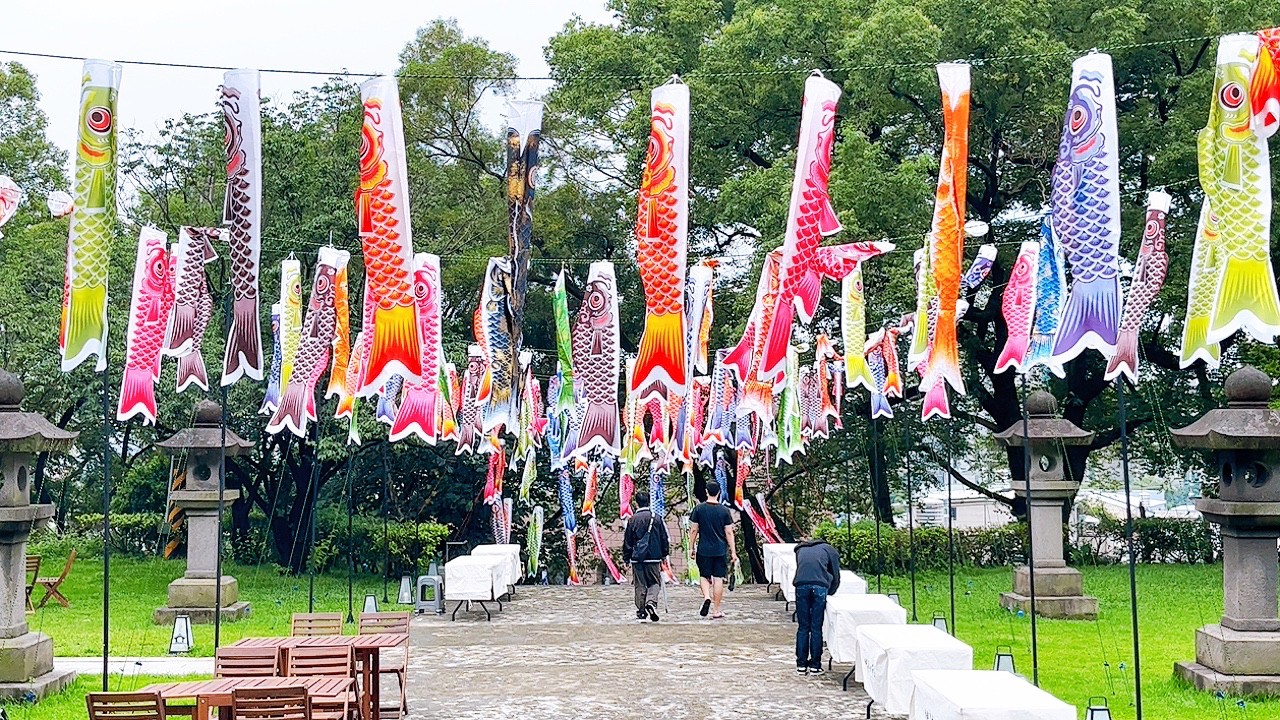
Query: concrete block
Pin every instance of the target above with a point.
(188, 592)
(37, 688)
(201, 615)
(1210, 680)
(1081, 607)
(1231, 652)
(25, 657)
(1050, 582)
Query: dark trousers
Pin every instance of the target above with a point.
(647, 578)
(811, 606)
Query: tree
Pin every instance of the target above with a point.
(745, 63)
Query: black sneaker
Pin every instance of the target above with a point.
(816, 670)
(641, 615)
(706, 607)
(653, 613)
(802, 670)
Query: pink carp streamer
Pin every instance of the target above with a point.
(597, 537)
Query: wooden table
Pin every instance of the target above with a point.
(367, 649)
(217, 692)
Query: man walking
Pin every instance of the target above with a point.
(645, 545)
(817, 575)
(711, 534)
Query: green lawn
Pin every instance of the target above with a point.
(69, 704)
(1173, 600)
(138, 588)
(1077, 659)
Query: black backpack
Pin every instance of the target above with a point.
(640, 552)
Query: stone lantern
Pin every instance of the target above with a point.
(1241, 654)
(194, 594)
(26, 658)
(1059, 589)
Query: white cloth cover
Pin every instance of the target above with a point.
(511, 552)
(851, 584)
(846, 612)
(474, 577)
(985, 694)
(772, 551)
(888, 653)
(785, 568)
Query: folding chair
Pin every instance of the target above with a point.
(33, 572)
(51, 584)
(287, 703)
(246, 662)
(390, 622)
(125, 706)
(322, 661)
(311, 624)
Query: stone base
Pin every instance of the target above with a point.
(54, 681)
(25, 656)
(201, 615)
(1050, 582)
(1078, 607)
(186, 592)
(1210, 680)
(1232, 652)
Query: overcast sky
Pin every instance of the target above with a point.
(360, 36)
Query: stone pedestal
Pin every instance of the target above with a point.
(1240, 654)
(1059, 590)
(195, 593)
(26, 658)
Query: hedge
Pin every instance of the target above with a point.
(144, 535)
(1159, 540)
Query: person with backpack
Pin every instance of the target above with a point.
(645, 545)
(817, 576)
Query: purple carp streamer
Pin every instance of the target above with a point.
(1085, 212)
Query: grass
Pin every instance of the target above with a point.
(69, 704)
(138, 587)
(1079, 659)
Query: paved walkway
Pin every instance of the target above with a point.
(128, 666)
(578, 652)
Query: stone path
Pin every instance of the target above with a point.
(578, 652)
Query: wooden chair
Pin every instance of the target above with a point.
(246, 662)
(33, 572)
(51, 584)
(288, 703)
(125, 706)
(328, 661)
(310, 624)
(390, 622)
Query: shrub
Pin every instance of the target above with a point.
(1158, 540)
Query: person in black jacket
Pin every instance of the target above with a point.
(817, 575)
(645, 545)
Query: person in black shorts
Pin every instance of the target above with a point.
(711, 535)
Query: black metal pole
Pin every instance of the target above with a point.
(1128, 531)
(222, 489)
(386, 523)
(315, 511)
(351, 545)
(875, 507)
(951, 545)
(911, 518)
(1031, 546)
(106, 526)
